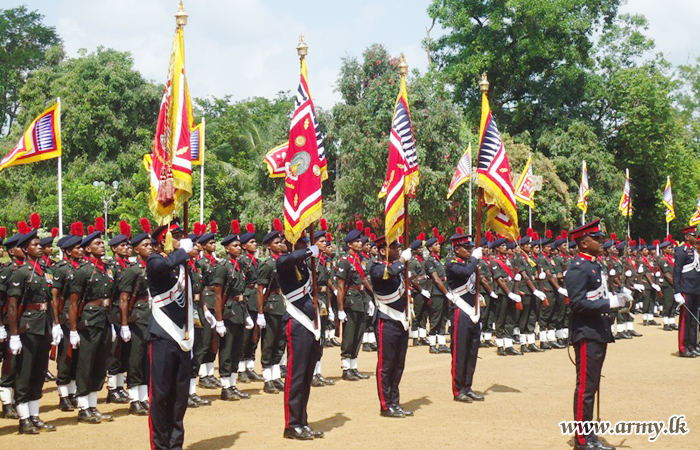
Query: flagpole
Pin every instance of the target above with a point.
(484, 86)
(403, 70)
(60, 174)
(529, 216)
(201, 169)
(470, 195)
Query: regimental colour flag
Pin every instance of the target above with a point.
(274, 160)
(695, 219)
(402, 170)
(668, 201)
(304, 165)
(463, 171)
(40, 142)
(171, 168)
(625, 201)
(197, 135)
(583, 191)
(525, 189)
(494, 176)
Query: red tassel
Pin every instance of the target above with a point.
(535, 237)
(91, 229)
(421, 236)
(329, 237)
(323, 223)
(250, 228)
(460, 230)
(77, 229)
(373, 237)
(124, 228)
(530, 232)
(54, 232)
(145, 225)
(235, 227)
(100, 224)
(3, 232)
(436, 233)
(657, 242)
(548, 233)
(23, 228)
(565, 234)
(360, 225)
(213, 227)
(367, 231)
(441, 239)
(613, 236)
(35, 221)
(277, 224)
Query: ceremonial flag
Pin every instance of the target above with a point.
(402, 170)
(668, 201)
(171, 168)
(695, 219)
(197, 144)
(626, 201)
(40, 142)
(525, 189)
(304, 164)
(463, 171)
(494, 177)
(275, 158)
(583, 191)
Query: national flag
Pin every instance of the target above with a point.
(583, 191)
(625, 201)
(402, 170)
(668, 201)
(304, 164)
(463, 171)
(695, 219)
(494, 177)
(40, 142)
(197, 144)
(171, 168)
(275, 158)
(525, 189)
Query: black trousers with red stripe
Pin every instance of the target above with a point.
(303, 351)
(169, 389)
(589, 365)
(393, 344)
(687, 325)
(465, 350)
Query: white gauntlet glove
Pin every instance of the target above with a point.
(314, 251)
(616, 301)
(249, 323)
(261, 320)
(612, 272)
(74, 339)
(15, 344)
(370, 309)
(563, 292)
(425, 293)
(331, 315)
(679, 298)
(518, 277)
(406, 255)
(3, 333)
(539, 294)
(221, 328)
(478, 253)
(186, 245)
(493, 295)
(656, 287)
(628, 273)
(542, 276)
(515, 297)
(114, 333)
(125, 333)
(342, 316)
(209, 317)
(640, 269)
(638, 287)
(56, 334)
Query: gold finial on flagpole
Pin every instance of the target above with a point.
(181, 15)
(484, 83)
(302, 48)
(403, 66)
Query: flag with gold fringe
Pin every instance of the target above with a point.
(583, 190)
(668, 201)
(695, 219)
(625, 206)
(525, 189)
(40, 142)
(463, 171)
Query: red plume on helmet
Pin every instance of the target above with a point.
(213, 227)
(657, 242)
(460, 230)
(54, 232)
(324, 224)
(641, 242)
(613, 236)
(35, 221)
(77, 229)
(436, 233)
(548, 233)
(250, 228)
(277, 224)
(421, 236)
(558, 237)
(367, 231)
(359, 225)
(91, 229)
(373, 237)
(3, 232)
(535, 236)
(490, 237)
(564, 234)
(441, 239)
(530, 232)
(23, 228)
(235, 227)
(124, 228)
(145, 225)
(100, 224)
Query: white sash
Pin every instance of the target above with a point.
(457, 293)
(176, 294)
(383, 306)
(303, 319)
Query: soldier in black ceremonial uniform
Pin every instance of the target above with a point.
(170, 335)
(419, 292)
(466, 328)
(686, 291)
(91, 293)
(231, 316)
(29, 318)
(204, 349)
(249, 267)
(591, 304)
(665, 263)
(324, 288)
(388, 280)
(7, 380)
(133, 328)
(302, 327)
(435, 270)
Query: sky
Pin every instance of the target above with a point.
(247, 48)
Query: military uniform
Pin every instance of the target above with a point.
(527, 317)
(686, 288)
(666, 264)
(487, 316)
(502, 268)
(273, 333)
(350, 270)
(420, 302)
(249, 267)
(118, 359)
(204, 352)
(561, 315)
(7, 379)
(438, 305)
(546, 322)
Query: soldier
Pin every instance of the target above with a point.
(369, 340)
(686, 292)
(630, 281)
(435, 270)
(271, 303)
(205, 349)
(231, 314)
(28, 314)
(135, 315)
(665, 264)
(554, 292)
(47, 249)
(419, 292)
(502, 271)
(591, 304)
(524, 267)
(489, 296)
(392, 324)
(645, 271)
(249, 267)
(7, 380)
(561, 316)
(323, 278)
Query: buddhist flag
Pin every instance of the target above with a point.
(171, 168)
(402, 170)
(304, 164)
(583, 191)
(197, 144)
(668, 201)
(525, 189)
(463, 171)
(626, 202)
(494, 176)
(40, 142)
(695, 219)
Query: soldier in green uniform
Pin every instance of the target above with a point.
(324, 289)
(524, 266)
(665, 263)
(249, 267)
(46, 260)
(488, 297)
(561, 332)
(614, 268)
(135, 312)
(646, 271)
(435, 270)
(632, 284)
(31, 332)
(554, 292)
(271, 303)
(508, 296)
(91, 293)
(231, 315)
(204, 350)
(7, 379)
(419, 292)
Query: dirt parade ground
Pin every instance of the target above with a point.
(526, 398)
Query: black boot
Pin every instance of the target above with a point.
(279, 384)
(65, 405)
(634, 333)
(27, 427)
(366, 347)
(297, 433)
(40, 425)
(137, 409)
(474, 396)
(191, 403)
(316, 382)
(392, 411)
(667, 327)
(545, 345)
(444, 349)
(325, 381)
(49, 377)
(360, 375)
(243, 377)
(501, 351)
(270, 388)
(524, 349)
(240, 394)
(86, 416)
(253, 376)
(534, 348)
(102, 417)
(9, 411)
(114, 397)
(349, 375)
(513, 352)
(228, 395)
(314, 434)
(434, 350)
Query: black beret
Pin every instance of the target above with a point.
(229, 239)
(205, 238)
(352, 236)
(430, 242)
(117, 240)
(90, 237)
(271, 236)
(320, 234)
(26, 238)
(47, 241)
(136, 240)
(415, 245)
(69, 241)
(11, 242)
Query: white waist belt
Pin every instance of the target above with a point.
(298, 293)
(303, 319)
(464, 306)
(393, 314)
(688, 267)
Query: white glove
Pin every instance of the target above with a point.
(314, 251)
(518, 277)
(407, 254)
(539, 294)
(186, 244)
(331, 315)
(656, 287)
(56, 334)
(679, 298)
(628, 273)
(478, 253)
(370, 309)
(638, 287)
(450, 296)
(493, 295)
(74, 339)
(626, 291)
(565, 272)
(15, 344)
(616, 301)
(627, 295)
(249, 323)
(261, 320)
(640, 269)
(542, 276)
(563, 292)
(341, 316)
(335, 292)
(658, 274)
(3, 333)
(209, 317)
(612, 272)
(125, 333)
(221, 328)
(515, 297)
(425, 293)
(114, 333)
